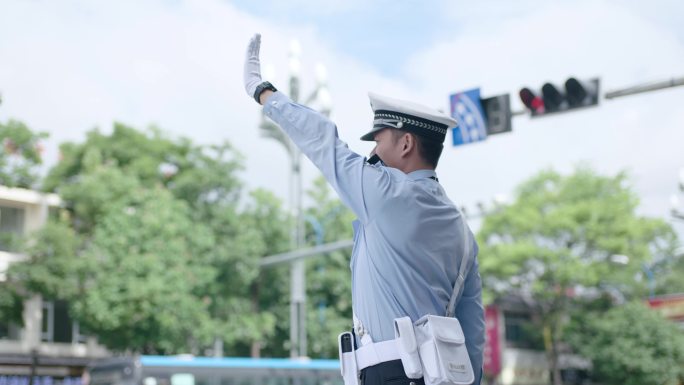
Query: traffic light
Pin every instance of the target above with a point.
(551, 99)
(497, 110)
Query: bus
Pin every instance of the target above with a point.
(190, 370)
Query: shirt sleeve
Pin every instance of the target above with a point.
(359, 185)
(470, 314)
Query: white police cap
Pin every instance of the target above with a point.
(412, 117)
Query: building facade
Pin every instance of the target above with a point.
(48, 348)
(514, 351)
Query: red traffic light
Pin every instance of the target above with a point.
(552, 99)
(532, 101)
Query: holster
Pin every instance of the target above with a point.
(348, 366)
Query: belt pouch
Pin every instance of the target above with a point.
(408, 347)
(441, 345)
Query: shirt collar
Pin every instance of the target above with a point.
(420, 174)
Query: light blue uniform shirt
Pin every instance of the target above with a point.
(408, 241)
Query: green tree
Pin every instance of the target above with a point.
(203, 176)
(563, 233)
(667, 273)
(150, 267)
(136, 153)
(10, 304)
(185, 223)
(631, 345)
(53, 268)
(20, 154)
(255, 313)
(139, 282)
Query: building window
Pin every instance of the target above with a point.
(11, 226)
(48, 322)
(9, 331)
(57, 325)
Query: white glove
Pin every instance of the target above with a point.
(252, 65)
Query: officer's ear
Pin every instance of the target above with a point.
(408, 142)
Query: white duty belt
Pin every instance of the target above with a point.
(372, 353)
(376, 353)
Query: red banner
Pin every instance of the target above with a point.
(492, 351)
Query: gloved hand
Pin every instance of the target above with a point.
(252, 74)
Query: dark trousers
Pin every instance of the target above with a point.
(387, 373)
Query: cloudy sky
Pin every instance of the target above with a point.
(69, 66)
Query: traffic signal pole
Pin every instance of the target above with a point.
(647, 87)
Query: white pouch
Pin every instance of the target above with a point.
(408, 347)
(443, 353)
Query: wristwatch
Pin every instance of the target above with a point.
(261, 88)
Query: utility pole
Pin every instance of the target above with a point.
(298, 343)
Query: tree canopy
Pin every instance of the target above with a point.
(20, 154)
(566, 238)
(150, 225)
(631, 345)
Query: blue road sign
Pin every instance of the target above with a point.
(466, 108)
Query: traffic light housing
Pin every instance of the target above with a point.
(551, 98)
(497, 110)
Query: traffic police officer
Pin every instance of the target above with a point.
(407, 238)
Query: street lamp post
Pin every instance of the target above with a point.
(298, 341)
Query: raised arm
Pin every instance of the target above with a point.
(359, 185)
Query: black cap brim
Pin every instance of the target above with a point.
(370, 136)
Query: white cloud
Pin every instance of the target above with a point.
(68, 67)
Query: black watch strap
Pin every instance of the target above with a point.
(261, 88)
